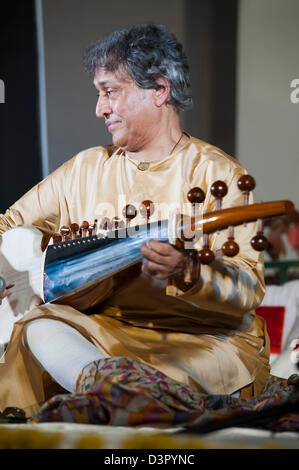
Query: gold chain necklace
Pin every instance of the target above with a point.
(177, 143)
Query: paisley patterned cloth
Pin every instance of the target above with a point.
(122, 392)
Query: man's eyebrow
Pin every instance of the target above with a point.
(103, 83)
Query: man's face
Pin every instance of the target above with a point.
(130, 113)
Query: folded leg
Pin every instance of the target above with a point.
(60, 349)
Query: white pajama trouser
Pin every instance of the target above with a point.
(61, 350)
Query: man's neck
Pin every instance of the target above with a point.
(159, 150)
(165, 140)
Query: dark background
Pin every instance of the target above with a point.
(19, 122)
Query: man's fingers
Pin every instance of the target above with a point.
(161, 253)
(3, 295)
(152, 255)
(154, 270)
(2, 285)
(164, 249)
(161, 260)
(6, 291)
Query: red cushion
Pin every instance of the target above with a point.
(274, 317)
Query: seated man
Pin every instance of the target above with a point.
(205, 335)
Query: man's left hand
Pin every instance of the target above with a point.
(162, 260)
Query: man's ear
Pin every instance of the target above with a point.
(162, 92)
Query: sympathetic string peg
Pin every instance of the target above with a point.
(84, 228)
(219, 190)
(246, 183)
(195, 196)
(105, 224)
(206, 255)
(117, 223)
(64, 232)
(259, 242)
(74, 230)
(129, 213)
(146, 209)
(94, 227)
(230, 247)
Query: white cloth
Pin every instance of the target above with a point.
(61, 350)
(286, 295)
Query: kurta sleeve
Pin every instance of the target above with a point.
(67, 195)
(232, 286)
(42, 206)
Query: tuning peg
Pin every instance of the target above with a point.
(64, 232)
(57, 238)
(105, 224)
(206, 255)
(246, 183)
(230, 247)
(259, 242)
(219, 190)
(195, 196)
(129, 213)
(84, 228)
(117, 223)
(74, 230)
(94, 227)
(146, 209)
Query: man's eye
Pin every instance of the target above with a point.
(107, 93)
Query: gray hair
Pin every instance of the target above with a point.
(146, 52)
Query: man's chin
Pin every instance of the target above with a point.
(118, 141)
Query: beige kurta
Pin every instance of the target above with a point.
(208, 337)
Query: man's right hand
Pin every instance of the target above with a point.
(4, 289)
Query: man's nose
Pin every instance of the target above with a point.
(103, 107)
